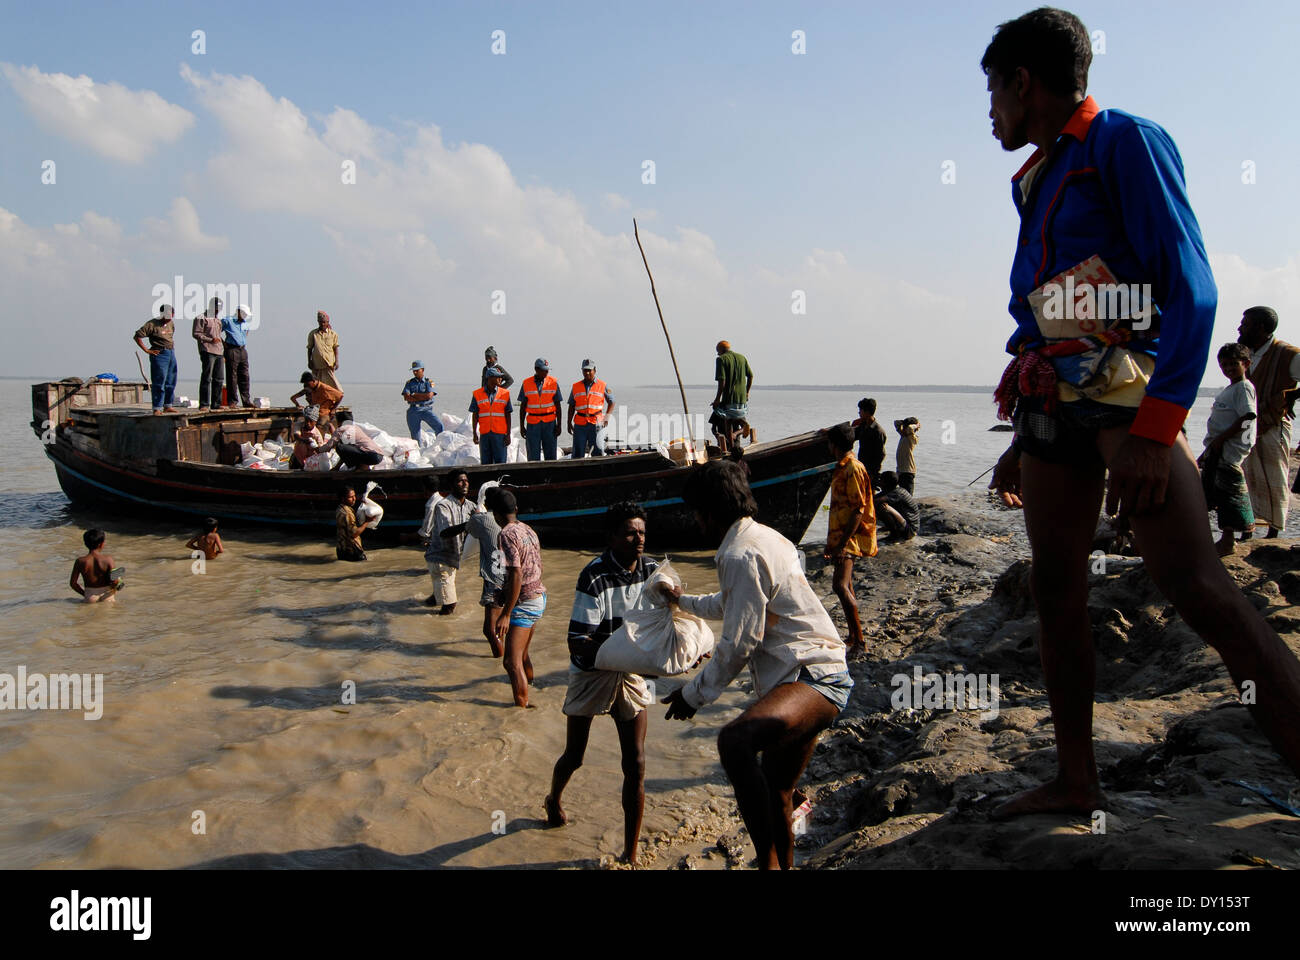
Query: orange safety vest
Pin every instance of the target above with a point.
(588, 405)
(539, 406)
(491, 413)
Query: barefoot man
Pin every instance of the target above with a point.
(772, 621)
(608, 588)
(1103, 206)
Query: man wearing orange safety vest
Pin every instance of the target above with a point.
(588, 410)
(540, 400)
(491, 408)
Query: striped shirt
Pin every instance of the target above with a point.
(606, 592)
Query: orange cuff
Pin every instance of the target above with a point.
(1158, 420)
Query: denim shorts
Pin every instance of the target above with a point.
(1067, 435)
(835, 687)
(527, 612)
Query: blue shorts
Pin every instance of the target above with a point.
(734, 411)
(835, 687)
(527, 612)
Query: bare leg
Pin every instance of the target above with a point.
(1181, 560)
(631, 738)
(516, 650)
(1061, 508)
(843, 586)
(891, 518)
(575, 748)
(788, 721)
(489, 615)
(527, 660)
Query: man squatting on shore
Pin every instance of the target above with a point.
(1107, 186)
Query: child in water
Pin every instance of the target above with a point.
(209, 541)
(95, 570)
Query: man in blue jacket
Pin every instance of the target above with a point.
(1114, 305)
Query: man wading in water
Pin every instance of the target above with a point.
(1103, 196)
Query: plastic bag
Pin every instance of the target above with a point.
(319, 462)
(367, 510)
(660, 640)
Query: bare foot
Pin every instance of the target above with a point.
(629, 860)
(1051, 797)
(555, 815)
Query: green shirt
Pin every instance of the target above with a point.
(733, 368)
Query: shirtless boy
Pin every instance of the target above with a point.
(94, 570)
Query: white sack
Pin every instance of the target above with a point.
(659, 641)
(367, 509)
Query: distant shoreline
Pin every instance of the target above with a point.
(865, 389)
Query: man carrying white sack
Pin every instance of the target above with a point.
(608, 587)
(772, 620)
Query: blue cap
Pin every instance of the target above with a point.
(417, 365)
(541, 364)
(494, 372)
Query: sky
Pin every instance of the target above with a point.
(494, 192)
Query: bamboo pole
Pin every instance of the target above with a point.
(690, 429)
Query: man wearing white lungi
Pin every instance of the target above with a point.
(1274, 370)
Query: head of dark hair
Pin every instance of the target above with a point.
(93, 538)
(306, 377)
(506, 503)
(492, 499)
(841, 436)
(868, 405)
(888, 480)
(451, 476)
(1234, 351)
(432, 484)
(343, 493)
(720, 492)
(210, 525)
(342, 416)
(620, 513)
(1265, 315)
(1052, 45)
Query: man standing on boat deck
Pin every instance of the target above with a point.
(162, 359)
(731, 402)
(418, 394)
(539, 399)
(489, 363)
(212, 355)
(491, 408)
(323, 351)
(235, 332)
(1274, 370)
(1103, 200)
(590, 403)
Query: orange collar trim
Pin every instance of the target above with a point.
(1077, 126)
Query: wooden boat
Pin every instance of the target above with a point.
(110, 451)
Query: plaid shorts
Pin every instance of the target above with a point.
(1067, 435)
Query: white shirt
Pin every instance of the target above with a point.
(771, 619)
(1232, 402)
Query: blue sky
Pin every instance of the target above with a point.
(774, 172)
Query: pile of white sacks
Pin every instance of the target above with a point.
(454, 447)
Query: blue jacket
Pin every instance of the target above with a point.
(1114, 188)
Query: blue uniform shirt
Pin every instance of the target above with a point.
(424, 385)
(1113, 187)
(235, 332)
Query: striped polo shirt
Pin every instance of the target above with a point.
(606, 592)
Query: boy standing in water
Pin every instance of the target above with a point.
(209, 541)
(523, 598)
(95, 570)
(852, 529)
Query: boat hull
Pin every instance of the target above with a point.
(564, 501)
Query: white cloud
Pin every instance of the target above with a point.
(121, 124)
(612, 201)
(181, 230)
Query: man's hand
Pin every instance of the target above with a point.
(678, 708)
(476, 440)
(1139, 477)
(1006, 477)
(672, 593)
